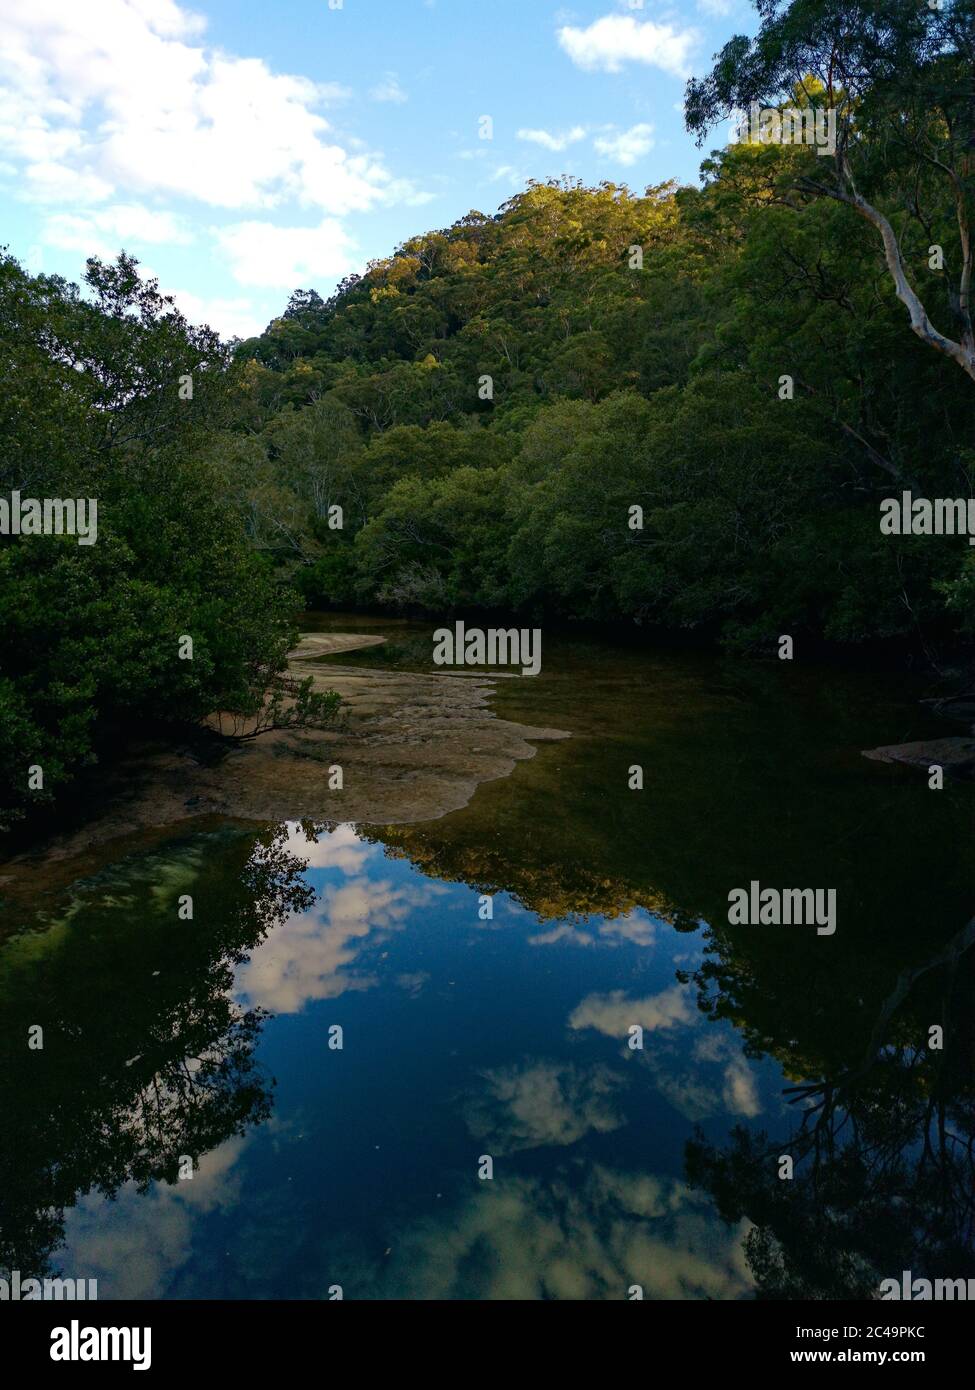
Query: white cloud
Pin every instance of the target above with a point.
(314, 955)
(627, 146)
(341, 848)
(390, 90)
(105, 231)
(710, 1077)
(554, 142)
(259, 253)
(740, 1093)
(135, 1244)
(49, 181)
(637, 928)
(537, 1103)
(614, 1014)
(333, 93)
(610, 42)
(740, 1088)
(121, 93)
(232, 318)
(567, 1237)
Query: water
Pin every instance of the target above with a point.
(211, 1045)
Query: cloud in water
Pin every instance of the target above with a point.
(314, 954)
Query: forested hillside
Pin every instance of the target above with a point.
(488, 404)
(680, 409)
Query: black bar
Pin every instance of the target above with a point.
(254, 1336)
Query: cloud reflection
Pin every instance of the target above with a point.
(583, 1235)
(614, 1013)
(135, 1244)
(542, 1102)
(706, 1076)
(313, 955)
(637, 928)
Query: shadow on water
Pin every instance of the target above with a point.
(144, 1059)
(416, 1029)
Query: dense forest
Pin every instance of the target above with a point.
(613, 388)
(680, 409)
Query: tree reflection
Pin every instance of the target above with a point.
(555, 887)
(153, 1061)
(884, 1152)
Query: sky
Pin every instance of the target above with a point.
(241, 149)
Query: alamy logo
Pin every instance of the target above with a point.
(924, 1290)
(50, 516)
(17, 1290)
(77, 1343)
(790, 125)
(908, 515)
(460, 646)
(756, 906)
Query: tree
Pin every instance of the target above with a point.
(91, 637)
(899, 76)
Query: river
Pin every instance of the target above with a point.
(466, 1058)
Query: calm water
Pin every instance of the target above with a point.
(465, 1038)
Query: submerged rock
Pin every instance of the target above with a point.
(412, 747)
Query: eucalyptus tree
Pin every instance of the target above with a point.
(900, 77)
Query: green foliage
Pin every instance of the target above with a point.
(471, 423)
(894, 78)
(616, 387)
(89, 635)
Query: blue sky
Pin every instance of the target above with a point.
(242, 148)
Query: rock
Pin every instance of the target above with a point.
(412, 747)
(955, 755)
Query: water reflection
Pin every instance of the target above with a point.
(884, 1151)
(540, 1103)
(613, 1166)
(364, 1173)
(146, 1059)
(136, 1245)
(313, 955)
(585, 1232)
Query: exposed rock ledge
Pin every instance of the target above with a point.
(411, 747)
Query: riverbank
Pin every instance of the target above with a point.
(411, 747)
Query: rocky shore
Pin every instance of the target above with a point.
(411, 747)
